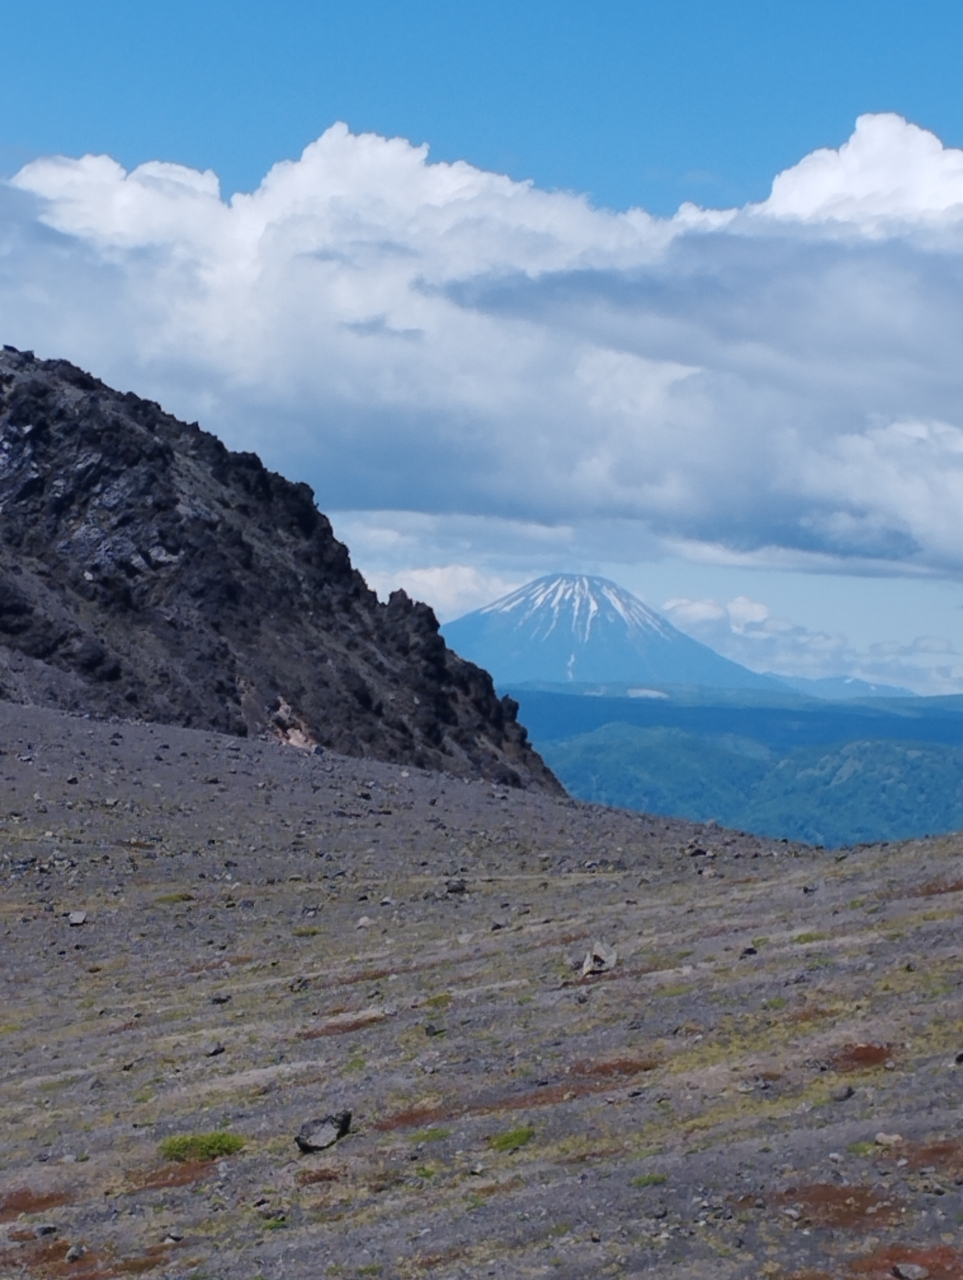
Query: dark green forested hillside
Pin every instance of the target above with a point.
(827, 776)
(832, 794)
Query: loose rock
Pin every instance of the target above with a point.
(910, 1271)
(77, 918)
(889, 1139)
(599, 959)
(318, 1135)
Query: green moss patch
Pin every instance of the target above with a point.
(201, 1146)
(513, 1139)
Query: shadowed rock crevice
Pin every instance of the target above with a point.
(147, 571)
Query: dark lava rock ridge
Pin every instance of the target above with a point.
(148, 572)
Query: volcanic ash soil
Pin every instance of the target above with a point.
(211, 936)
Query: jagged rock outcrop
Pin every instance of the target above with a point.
(146, 571)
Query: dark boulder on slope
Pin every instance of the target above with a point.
(146, 571)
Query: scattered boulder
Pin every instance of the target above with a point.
(318, 1135)
(76, 918)
(842, 1093)
(599, 958)
(910, 1271)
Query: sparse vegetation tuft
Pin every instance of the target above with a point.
(861, 1148)
(649, 1180)
(513, 1139)
(201, 1146)
(433, 1135)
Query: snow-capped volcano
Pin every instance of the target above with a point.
(576, 628)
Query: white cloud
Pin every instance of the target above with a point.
(451, 589)
(748, 632)
(780, 384)
(888, 170)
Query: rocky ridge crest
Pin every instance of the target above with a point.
(148, 572)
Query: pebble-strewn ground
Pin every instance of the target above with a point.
(764, 1085)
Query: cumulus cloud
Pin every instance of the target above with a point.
(780, 382)
(452, 589)
(888, 170)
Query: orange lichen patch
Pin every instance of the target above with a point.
(941, 1261)
(549, 1096)
(308, 1177)
(155, 1256)
(810, 1013)
(947, 1156)
(936, 887)
(225, 961)
(341, 1024)
(599, 1153)
(608, 1068)
(428, 1261)
(861, 1057)
(179, 1173)
(495, 1188)
(368, 975)
(830, 1205)
(586, 1078)
(413, 1117)
(50, 1260)
(23, 1200)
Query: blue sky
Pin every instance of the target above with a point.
(633, 103)
(514, 352)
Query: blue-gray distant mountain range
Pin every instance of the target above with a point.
(578, 630)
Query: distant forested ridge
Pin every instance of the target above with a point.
(824, 773)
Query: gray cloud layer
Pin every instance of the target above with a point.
(780, 382)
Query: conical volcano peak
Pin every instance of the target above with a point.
(581, 629)
(577, 603)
